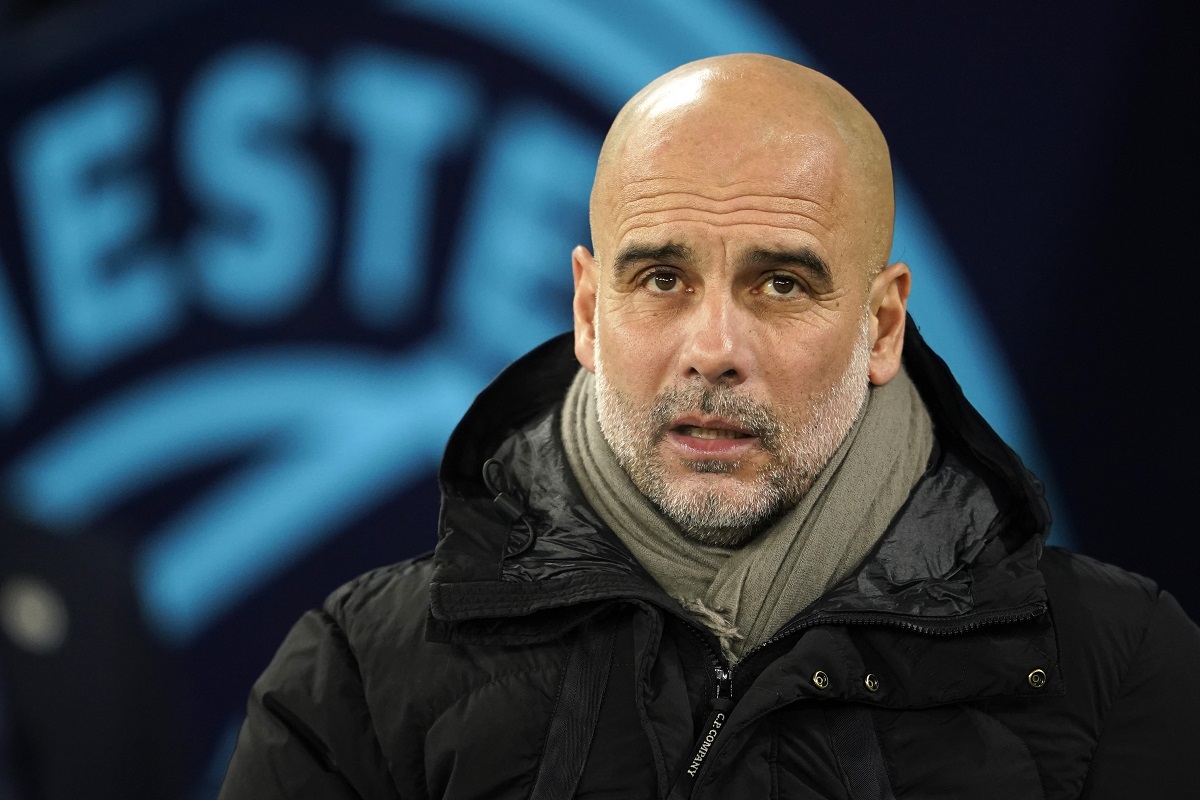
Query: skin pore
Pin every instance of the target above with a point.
(737, 304)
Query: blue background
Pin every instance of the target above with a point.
(257, 258)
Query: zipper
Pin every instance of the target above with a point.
(952, 629)
(724, 681)
(724, 673)
(714, 723)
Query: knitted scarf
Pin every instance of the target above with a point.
(745, 594)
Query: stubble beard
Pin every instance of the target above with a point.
(732, 514)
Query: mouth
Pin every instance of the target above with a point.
(699, 432)
(712, 438)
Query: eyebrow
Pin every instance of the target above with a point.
(760, 258)
(638, 254)
(802, 257)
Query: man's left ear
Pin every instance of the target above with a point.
(888, 306)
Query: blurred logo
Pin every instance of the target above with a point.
(254, 276)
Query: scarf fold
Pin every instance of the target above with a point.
(746, 594)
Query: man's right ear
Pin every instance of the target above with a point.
(583, 266)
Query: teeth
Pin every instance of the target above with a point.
(712, 433)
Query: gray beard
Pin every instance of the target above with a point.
(798, 452)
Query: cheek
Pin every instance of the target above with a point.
(634, 361)
(798, 368)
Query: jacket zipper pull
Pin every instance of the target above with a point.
(713, 725)
(724, 684)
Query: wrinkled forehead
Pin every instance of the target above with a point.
(710, 161)
(716, 156)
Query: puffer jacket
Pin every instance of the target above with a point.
(531, 656)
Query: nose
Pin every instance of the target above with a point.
(715, 347)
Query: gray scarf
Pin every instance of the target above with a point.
(746, 594)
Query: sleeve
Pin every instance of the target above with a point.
(1148, 740)
(308, 731)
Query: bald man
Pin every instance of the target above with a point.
(740, 536)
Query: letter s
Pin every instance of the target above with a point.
(262, 252)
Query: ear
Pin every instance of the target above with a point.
(888, 307)
(583, 265)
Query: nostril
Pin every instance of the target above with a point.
(726, 377)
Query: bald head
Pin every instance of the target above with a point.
(741, 221)
(722, 120)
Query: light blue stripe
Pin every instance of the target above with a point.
(18, 375)
(327, 434)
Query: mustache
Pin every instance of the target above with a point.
(717, 401)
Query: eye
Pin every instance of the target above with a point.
(661, 282)
(781, 286)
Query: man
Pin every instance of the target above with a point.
(759, 546)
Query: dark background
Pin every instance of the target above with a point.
(1054, 145)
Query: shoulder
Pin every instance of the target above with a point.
(1102, 599)
(1106, 613)
(1081, 584)
(338, 641)
(1121, 638)
(395, 598)
(383, 616)
(309, 720)
(1129, 655)
(1061, 564)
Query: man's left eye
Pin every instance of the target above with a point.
(664, 281)
(781, 285)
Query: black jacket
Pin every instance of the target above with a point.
(531, 656)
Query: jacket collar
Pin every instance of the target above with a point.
(521, 552)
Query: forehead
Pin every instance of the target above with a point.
(657, 202)
(806, 154)
(709, 185)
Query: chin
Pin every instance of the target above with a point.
(718, 508)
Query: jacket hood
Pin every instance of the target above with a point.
(521, 551)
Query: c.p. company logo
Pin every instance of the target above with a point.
(285, 261)
(706, 743)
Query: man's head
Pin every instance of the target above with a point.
(738, 301)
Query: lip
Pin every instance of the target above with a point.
(694, 447)
(709, 422)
